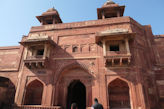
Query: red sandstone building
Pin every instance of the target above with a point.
(114, 59)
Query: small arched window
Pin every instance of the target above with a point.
(75, 49)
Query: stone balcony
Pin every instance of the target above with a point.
(37, 50)
(117, 58)
(35, 61)
(116, 53)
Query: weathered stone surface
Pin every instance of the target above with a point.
(130, 77)
(10, 58)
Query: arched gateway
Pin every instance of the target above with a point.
(118, 91)
(7, 93)
(76, 94)
(74, 86)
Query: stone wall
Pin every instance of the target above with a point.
(10, 58)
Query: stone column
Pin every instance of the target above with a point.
(65, 92)
(112, 62)
(45, 51)
(21, 81)
(42, 22)
(53, 21)
(47, 95)
(118, 14)
(104, 48)
(127, 46)
(48, 50)
(88, 95)
(120, 61)
(53, 95)
(44, 95)
(103, 16)
(26, 52)
(21, 89)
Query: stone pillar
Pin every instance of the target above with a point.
(47, 95)
(44, 95)
(21, 89)
(48, 50)
(88, 95)
(65, 96)
(42, 22)
(133, 96)
(127, 46)
(31, 52)
(103, 16)
(120, 61)
(141, 95)
(53, 20)
(45, 51)
(21, 81)
(53, 95)
(25, 52)
(104, 48)
(112, 62)
(118, 14)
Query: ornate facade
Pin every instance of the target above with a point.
(114, 59)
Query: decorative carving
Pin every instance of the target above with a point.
(114, 31)
(37, 36)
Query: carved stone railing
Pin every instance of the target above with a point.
(35, 62)
(36, 107)
(34, 57)
(116, 53)
(117, 58)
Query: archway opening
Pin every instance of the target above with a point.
(118, 91)
(33, 94)
(76, 94)
(7, 93)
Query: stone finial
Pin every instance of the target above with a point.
(109, 2)
(51, 9)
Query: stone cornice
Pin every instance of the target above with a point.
(74, 25)
(9, 47)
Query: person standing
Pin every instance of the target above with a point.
(97, 105)
(74, 106)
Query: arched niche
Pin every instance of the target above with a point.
(119, 96)
(34, 92)
(7, 93)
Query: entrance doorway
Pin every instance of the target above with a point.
(7, 93)
(118, 91)
(76, 94)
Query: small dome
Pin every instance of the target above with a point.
(51, 9)
(109, 3)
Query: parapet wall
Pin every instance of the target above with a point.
(10, 58)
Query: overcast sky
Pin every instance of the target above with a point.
(17, 16)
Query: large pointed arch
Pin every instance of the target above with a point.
(34, 92)
(7, 93)
(74, 65)
(119, 96)
(69, 73)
